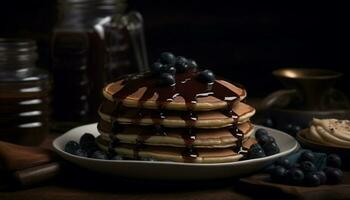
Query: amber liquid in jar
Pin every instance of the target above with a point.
(24, 94)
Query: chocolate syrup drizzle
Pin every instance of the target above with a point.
(189, 88)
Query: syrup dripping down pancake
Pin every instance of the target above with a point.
(146, 94)
(205, 138)
(210, 119)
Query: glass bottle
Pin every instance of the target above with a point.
(95, 43)
(24, 93)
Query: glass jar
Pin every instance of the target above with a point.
(24, 93)
(95, 43)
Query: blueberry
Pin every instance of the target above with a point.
(191, 63)
(312, 179)
(278, 174)
(256, 151)
(333, 160)
(71, 147)
(172, 71)
(307, 156)
(81, 153)
(271, 139)
(117, 157)
(206, 76)
(284, 162)
(181, 64)
(166, 79)
(167, 58)
(260, 132)
(86, 140)
(99, 155)
(87, 143)
(334, 175)
(307, 166)
(157, 67)
(295, 176)
(263, 139)
(271, 148)
(322, 176)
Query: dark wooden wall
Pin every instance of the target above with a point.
(240, 41)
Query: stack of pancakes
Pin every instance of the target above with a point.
(189, 121)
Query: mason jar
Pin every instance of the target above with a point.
(24, 93)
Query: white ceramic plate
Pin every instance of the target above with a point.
(171, 170)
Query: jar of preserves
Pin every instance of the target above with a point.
(24, 93)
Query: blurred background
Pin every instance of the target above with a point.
(243, 42)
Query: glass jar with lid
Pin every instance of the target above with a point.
(24, 93)
(96, 42)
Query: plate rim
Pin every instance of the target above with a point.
(60, 151)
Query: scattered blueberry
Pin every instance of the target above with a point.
(307, 166)
(271, 139)
(295, 176)
(206, 76)
(181, 64)
(71, 147)
(263, 139)
(333, 160)
(86, 140)
(157, 67)
(260, 132)
(256, 151)
(87, 143)
(322, 176)
(191, 63)
(99, 155)
(284, 162)
(166, 79)
(334, 175)
(172, 71)
(167, 58)
(278, 174)
(307, 156)
(312, 179)
(271, 148)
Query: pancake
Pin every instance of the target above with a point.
(214, 155)
(210, 119)
(185, 116)
(204, 138)
(134, 97)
